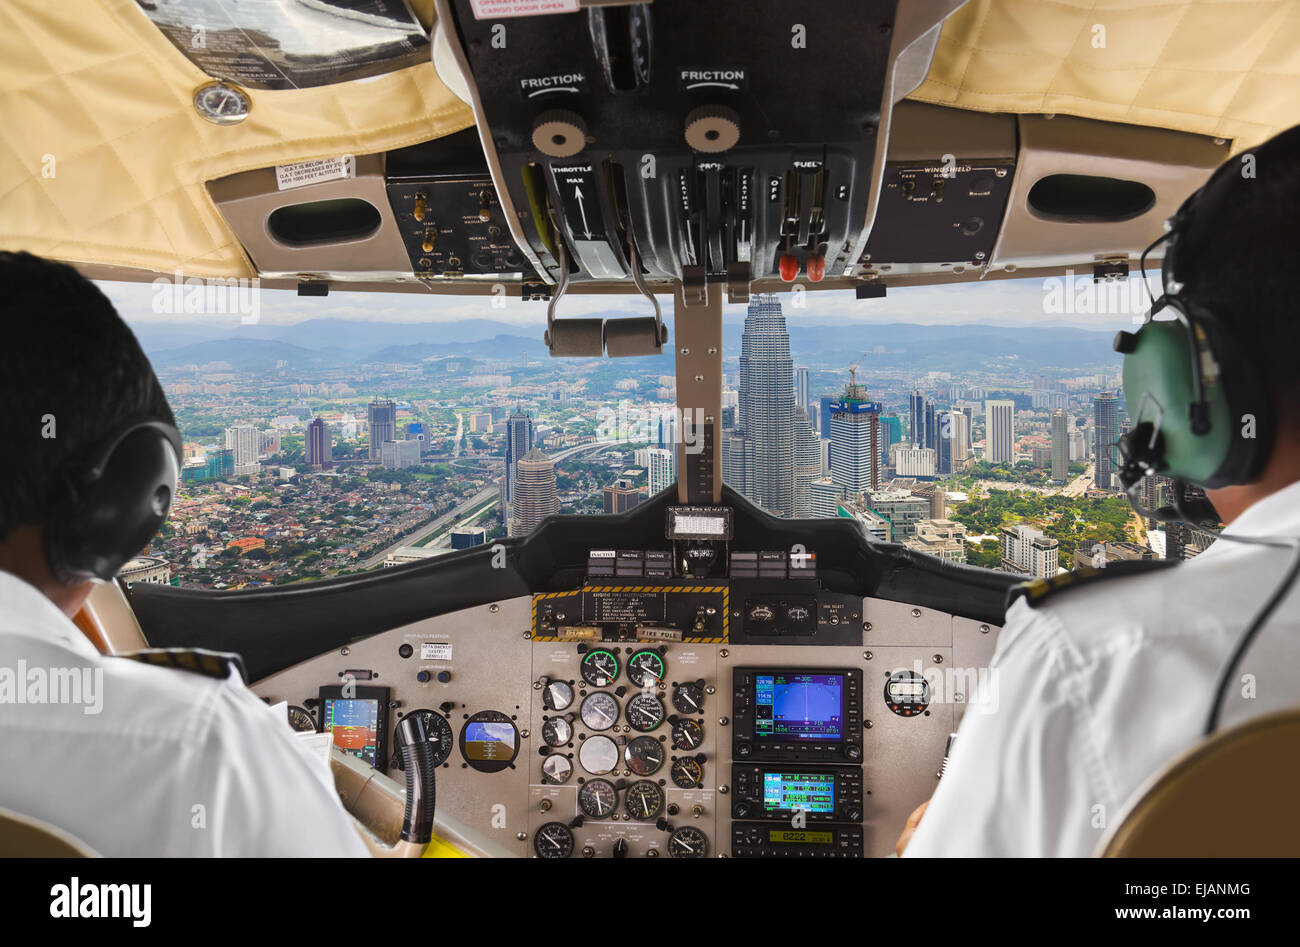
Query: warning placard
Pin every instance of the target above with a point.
(313, 172)
(500, 9)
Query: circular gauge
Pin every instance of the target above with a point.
(553, 840)
(222, 103)
(688, 698)
(688, 842)
(599, 711)
(687, 773)
(556, 769)
(687, 734)
(600, 668)
(645, 712)
(489, 741)
(907, 693)
(599, 755)
(645, 800)
(646, 668)
(440, 736)
(644, 755)
(557, 695)
(557, 731)
(597, 798)
(301, 719)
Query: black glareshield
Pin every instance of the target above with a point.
(112, 507)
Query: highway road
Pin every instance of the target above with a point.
(463, 508)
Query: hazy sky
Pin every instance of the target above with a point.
(1020, 302)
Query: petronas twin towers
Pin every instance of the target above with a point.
(760, 457)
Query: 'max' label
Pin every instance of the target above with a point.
(734, 78)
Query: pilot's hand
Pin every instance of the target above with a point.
(913, 821)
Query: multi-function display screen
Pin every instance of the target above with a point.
(486, 741)
(799, 792)
(355, 726)
(799, 706)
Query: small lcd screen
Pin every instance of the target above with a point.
(907, 689)
(355, 725)
(799, 706)
(795, 792)
(485, 740)
(815, 838)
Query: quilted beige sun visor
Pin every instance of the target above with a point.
(1224, 68)
(103, 157)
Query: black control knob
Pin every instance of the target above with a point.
(743, 750)
(853, 752)
(741, 810)
(423, 677)
(444, 677)
(854, 814)
(620, 848)
(559, 133)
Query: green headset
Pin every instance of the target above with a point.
(1201, 413)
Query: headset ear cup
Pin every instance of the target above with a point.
(1250, 414)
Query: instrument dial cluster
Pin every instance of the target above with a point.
(627, 754)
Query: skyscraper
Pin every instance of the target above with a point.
(999, 434)
(382, 418)
(954, 436)
(1060, 446)
(801, 389)
(659, 466)
(807, 464)
(855, 441)
(320, 450)
(243, 441)
(767, 405)
(931, 427)
(621, 496)
(534, 493)
(1105, 408)
(916, 418)
(519, 441)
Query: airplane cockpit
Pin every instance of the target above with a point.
(680, 679)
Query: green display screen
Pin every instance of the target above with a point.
(816, 838)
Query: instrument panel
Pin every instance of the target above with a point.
(621, 744)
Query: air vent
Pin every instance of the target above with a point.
(324, 222)
(1088, 199)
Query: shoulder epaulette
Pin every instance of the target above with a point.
(197, 660)
(1038, 590)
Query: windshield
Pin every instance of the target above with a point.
(325, 437)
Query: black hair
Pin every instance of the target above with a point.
(69, 366)
(1247, 252)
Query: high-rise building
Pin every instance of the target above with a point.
(620, 496)
(999, 432)
(931, 427)
(242, 440)
(824, 497)
(1105, 409)
(855, 440)
(767, 406)
(891, 432)
(382, 419)
(807, 464)
(1028, 551)
(801, 389)
(519, 441)
(903, 510)
(1060, 446)
(398, 455)
(320, 449)
(916, 418)
(915, 462)
(954, 440)
(534, 493)
(659, 466)
(466, 537)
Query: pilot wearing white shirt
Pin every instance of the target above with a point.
(131, 759)
(1102, 683)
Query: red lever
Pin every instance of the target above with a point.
(788, 266)
(816, 268)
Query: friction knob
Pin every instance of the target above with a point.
(559, 134)
(712, 129)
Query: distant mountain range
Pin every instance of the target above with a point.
(340, 343)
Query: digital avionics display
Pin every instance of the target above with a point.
(355, 725)
(816, 838)
(486, 741)
(799, 706)
(794, 792)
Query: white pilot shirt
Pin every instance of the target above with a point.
(1103, 685)
(150, 761)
